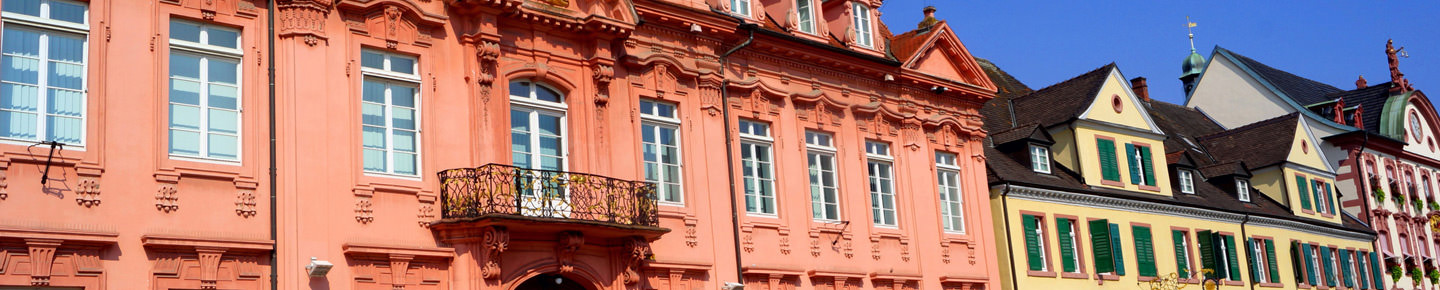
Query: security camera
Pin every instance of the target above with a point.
(318, 268)
(732, 286)
(939, 89)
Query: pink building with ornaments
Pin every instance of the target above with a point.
(488, 144)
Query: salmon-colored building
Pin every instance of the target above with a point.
(488, 144)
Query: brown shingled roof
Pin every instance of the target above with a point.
(1259, 144)
(1063, 101)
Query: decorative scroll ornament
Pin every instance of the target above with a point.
(603, 75)
(568, 242)
(488, 52)
(639, 251)
(495, 241)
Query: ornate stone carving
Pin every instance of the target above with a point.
(639, 252)
(399, 267)
(488, 53)
(748, 243)
(875, 248)
(4, 190)
(364, 213)
(784, 245)
(566, 244)
(945, 252)
(245, 203)
(1400, 84)
(167, 199)
(710, 96)
(303, 18)
(691, 239)
(42, 259)
(392, 23)
(426, 215)
(602, 74)
(495, 241)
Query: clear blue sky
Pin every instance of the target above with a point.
(1042, 43)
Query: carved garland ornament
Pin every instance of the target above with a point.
(245, 204)
(364, 213)
(167, 198)
(88, 192)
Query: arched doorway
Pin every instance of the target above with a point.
(551, 282)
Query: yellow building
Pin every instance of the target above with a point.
(1095, 186)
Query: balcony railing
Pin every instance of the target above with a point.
(497, 189)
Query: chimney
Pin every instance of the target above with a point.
(1141, 90)
(929, 19)
(1360, 83)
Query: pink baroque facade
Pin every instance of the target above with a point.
(489, 144)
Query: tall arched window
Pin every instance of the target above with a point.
(537, 142)
(537, 126)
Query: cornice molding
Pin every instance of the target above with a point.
(1121, 204)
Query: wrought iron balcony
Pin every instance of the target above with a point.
(497, 189)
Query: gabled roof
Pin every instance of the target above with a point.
(913, 48)
(1302, 90)
(1061, 102)
(1259, 144)
(1183, 124)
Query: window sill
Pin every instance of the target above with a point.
(1069, 275)
(1306, 211)
(1046, 274)
(1190, 281)
(1148, 187)
(1146, 278)
(1234, 283)
(1111, 183)
(1326, 215)
(1272, 285)
(1109, 277)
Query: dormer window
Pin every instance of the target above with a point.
(1039, 159)
(1187, 181)
(806, 15)
(1242, 189)
(862, 25)
(740, 7)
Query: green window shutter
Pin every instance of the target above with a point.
(1295, 260)
(1117, 249)
(1316, 192)
(1270, 260)
(1345, 268)
(1067, 247)
(1182, 261)
(1144, 251)
(1375, 272)
(1207, 253)
(1234, 259)
(1109, 167)
(1134, 167)
(1326, 261)
(1304, 188)
(1032, 243)
(1330, 194)
(1251, 258)
(1309, 265)
(1100, 246)
(1149, 166)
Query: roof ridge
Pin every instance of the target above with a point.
(1247, 127)
(1067, 81)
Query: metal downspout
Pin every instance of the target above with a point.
(1245, 237)
(1005, 211)
(270, 69)
(730, 148)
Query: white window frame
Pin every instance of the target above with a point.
(1262, 267)
(1075, 244)
(1225, 257)
(663, 123)
(205, 52)
(1319, 190)
(389, 77)
(1187, 181)
(736, 7)
(757, 140)
(806, 24)
(874, 162)
(1041, 243)
(47, 26)
(863, 24)
(947, 164)
(820, 147)
(1039, 159)
(1242, 189)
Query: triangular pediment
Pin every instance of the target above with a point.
(1116, 103)
(942, 55)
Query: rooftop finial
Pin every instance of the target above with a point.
(1190, 27)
